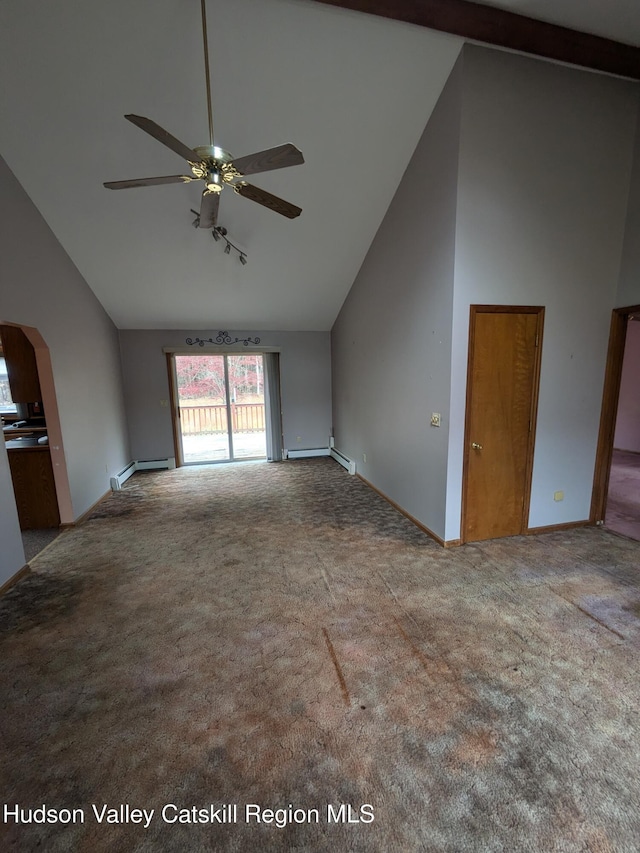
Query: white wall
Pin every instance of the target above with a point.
(40, 287)
(305, 374)
(545, 164)
(627, 434)
(391, 343)
(540, 156)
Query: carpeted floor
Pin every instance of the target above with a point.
(34, 541)
(278, 636)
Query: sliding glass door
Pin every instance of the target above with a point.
(221, 407)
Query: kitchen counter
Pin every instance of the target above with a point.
(25, 443)
(11, 431)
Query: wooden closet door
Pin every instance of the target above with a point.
(501, 402)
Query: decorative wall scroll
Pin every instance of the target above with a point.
(222, 339)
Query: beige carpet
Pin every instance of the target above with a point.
(278, 636)
(34, 541)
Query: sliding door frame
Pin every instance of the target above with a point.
(175, 408)
(227, 397)
(174, 403)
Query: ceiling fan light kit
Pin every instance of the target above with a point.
(219, 232)
(215, 166)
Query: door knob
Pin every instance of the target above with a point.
(476, 446)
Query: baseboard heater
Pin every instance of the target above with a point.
(141, 465)
(307, 452)
(123, 476)
(347, 463)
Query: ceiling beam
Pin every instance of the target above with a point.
(507, 29)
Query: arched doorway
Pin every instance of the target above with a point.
(41, 485)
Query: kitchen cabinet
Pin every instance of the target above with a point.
(22, 369)
(34, 487)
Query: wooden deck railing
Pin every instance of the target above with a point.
(206, 420)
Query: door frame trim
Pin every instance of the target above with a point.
(609, 411)
(474, 310)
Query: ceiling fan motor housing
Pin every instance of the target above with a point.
(216, 167)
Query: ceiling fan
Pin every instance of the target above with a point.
(215, 166)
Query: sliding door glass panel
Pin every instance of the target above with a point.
(246, 406)
(203, 405)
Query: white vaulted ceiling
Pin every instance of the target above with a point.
(352, 91)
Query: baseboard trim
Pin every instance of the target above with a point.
(451, 543)
(552, 528)
(82, 518)
(13, 580)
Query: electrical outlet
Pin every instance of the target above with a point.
(435, 419)
(164, 404)
(298, 438)
(558, 496)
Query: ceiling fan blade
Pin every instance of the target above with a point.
(209, 210)
(165, 137)
(273, 158)
(147, 182)
(281, 206)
